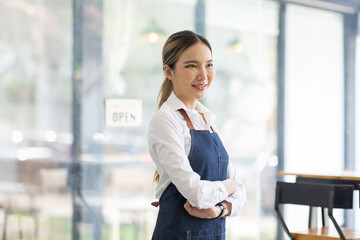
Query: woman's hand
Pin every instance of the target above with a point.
(207, 213)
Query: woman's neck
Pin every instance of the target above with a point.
(189, 103)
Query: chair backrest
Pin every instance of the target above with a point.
(314, 195)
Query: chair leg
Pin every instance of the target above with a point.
(36, 227)
(35, 217)
(20, 228)
(284, 224)
(310, 216)
(338, 229)
(323, 217)
(5, 223)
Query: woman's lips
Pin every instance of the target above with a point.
(200, 87)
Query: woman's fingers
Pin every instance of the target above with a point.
(202, 213)
(188, 207)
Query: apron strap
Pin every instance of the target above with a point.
(205, 121)
(188, 121)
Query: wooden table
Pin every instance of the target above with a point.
(326, 234)
(331, 179)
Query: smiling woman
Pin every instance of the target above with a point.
(192, 75)
(197, 185)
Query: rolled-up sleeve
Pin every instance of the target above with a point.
(238, 199)
(166, 147)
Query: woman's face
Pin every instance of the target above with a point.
(192, 74)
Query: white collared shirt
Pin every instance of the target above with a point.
(169, 142)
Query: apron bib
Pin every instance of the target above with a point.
(210, 160)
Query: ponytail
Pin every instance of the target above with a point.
(165, 91)
(156, 177)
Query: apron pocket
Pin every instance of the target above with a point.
(223, 166)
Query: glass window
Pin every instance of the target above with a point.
(357, 138)
(314, 94)
(35, 119)
(243, 97)
(314, 89)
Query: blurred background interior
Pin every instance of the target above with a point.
(286, 96)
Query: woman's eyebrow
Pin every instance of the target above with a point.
(195, 61)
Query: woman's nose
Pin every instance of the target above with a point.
(202, 75)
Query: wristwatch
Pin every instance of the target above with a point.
(223, 208)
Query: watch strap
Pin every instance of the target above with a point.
(223, 208)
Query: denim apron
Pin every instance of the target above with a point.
(210, 160)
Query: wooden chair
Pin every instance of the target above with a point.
(328, 196)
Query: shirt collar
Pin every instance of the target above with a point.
(175, 103)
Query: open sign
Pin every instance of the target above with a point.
(123, 112)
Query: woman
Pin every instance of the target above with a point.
(197, 185)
